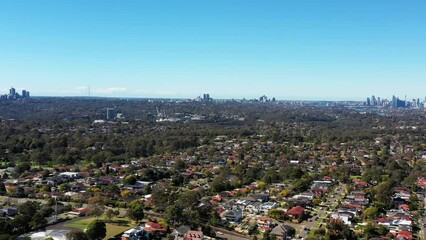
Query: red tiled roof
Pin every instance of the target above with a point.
(404, 234)
(151, 229)
(153, 225)
(298, 210)
(383, 220)
(404, 207)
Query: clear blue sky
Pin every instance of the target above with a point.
(298, 49)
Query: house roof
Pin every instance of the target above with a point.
(404, 235)
(282, 229)
(183, 229)
(194, 235)
(296, 210)
(153, 225)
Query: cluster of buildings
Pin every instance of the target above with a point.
(265, 99)
(154, 230)
(111, 114)
(151, 230)
(205, 98)
(396, 102)
(14, 95)
(247, 205)
(398, 220)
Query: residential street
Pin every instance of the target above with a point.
(332, 201)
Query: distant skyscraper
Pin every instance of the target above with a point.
(368, 102)
(373, 100)
(206, 97)
(111, 113)
(13, 95)
(394, 101)
(12, 91)
(397, 103)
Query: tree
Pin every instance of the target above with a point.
(46, 211)
(162, 195)
(2, 189)
(336, 229)
(5, 227)
(40, 157)
(262, 185)
(253, 230)
(276, 214)
(285, 192)
(22, 167)
(38, 221)
(214, 218)
(45, 173)
(414, 202)
(371, 213)
(135, 212)
(28, 208)
(174, 216)
(76, 235)
(266, 235)
(20, 223)
(96, 230)
(383, 193)
(129, 180)
(220, 183)
(109, 214)
(374, 230)
(188, 199)
(97, 205)
(116, 213)
(64, 187)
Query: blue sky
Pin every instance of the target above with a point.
(337, 50)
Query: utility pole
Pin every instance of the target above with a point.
(56, 207)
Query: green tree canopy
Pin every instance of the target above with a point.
(96, 230)
(76, 235)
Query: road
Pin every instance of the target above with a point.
(225, 234)
(337, 194)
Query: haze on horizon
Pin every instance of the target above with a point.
(316, 50)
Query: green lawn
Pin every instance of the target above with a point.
(112, 229)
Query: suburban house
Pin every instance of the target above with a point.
(233, 215)
(134, 234)
(194, 235)
(283, 232)
(8, 212)
(264, 223)
(154, 228)
(180, 232)
(79, 212)
(296, 214)
(344, 216)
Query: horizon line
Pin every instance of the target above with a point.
(192, 99)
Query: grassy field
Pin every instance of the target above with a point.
(112, 228)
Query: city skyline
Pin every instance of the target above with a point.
(394, 101)
(230, 49)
